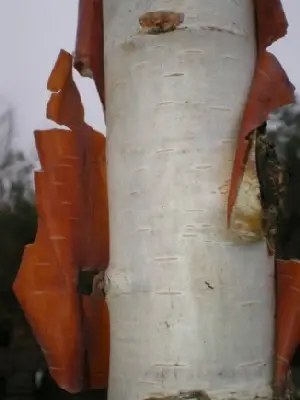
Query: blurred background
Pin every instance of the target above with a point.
(31, 34)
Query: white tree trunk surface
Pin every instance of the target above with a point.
(190, 309)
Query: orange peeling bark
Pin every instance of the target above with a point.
(270, 88)
(73, 234)
(89, 54)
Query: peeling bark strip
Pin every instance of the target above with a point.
(270, 21)
(71, 198)
(157, 22)
(270, 90)
(270, 87)
(287, 319)
(89, 50)
(288, 270)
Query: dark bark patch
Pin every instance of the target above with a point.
(154, 23)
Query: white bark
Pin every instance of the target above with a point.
(189, 309)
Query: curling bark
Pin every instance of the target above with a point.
(190, 308)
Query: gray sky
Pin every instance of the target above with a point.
(287, 49)
(33, 31)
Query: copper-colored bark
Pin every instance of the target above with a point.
(288, 317)
(71, 196)
(271, 23)
(89, 54)
(270, 88)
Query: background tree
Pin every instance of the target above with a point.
(283, 127)
(20, 354)
(18, 219)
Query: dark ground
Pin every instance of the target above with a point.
(20, 359)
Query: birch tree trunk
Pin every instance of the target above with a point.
(190, 309)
